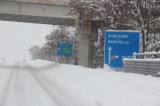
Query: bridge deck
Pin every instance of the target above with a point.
(36, 13)
(55, 2)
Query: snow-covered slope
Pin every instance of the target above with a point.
(34, 80)
(102, 87)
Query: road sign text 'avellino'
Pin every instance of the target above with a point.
(119, 44)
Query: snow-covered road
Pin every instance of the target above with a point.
(24, 85)
(43, 83)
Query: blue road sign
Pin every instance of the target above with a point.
(64, 49)
(120, 44)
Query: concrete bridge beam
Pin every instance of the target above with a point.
(9, 11)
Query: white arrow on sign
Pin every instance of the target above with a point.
(109, 55)
(116, 57)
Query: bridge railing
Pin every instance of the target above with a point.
(143, 63)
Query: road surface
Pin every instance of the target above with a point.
(24, 85)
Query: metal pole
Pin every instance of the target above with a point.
(144, 26)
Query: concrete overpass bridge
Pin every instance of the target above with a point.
(54, 12)
(37, 11)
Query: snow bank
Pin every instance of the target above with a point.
(104, 88)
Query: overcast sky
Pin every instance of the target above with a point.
(16, 38)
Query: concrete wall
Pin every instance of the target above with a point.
(58, 2)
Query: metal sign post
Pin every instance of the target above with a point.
(118, 45)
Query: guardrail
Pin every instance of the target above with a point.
(146, 66)
(146, 55)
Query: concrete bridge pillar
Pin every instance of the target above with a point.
(88, 34)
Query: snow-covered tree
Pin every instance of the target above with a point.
(148, 21)
(60, 34)
(123, 15)
(35, 52)
(114, 14)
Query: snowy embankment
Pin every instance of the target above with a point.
(102, 87)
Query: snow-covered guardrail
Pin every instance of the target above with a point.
(147, 66)
(146, 55)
